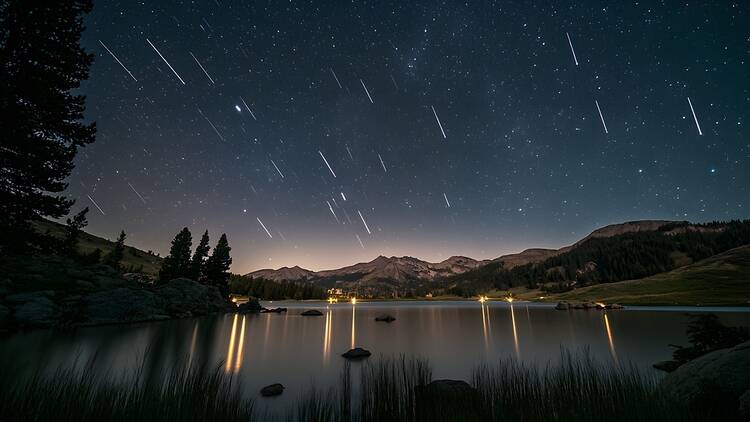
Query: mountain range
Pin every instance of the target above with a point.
(385, 273)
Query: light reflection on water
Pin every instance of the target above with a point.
(294, 350)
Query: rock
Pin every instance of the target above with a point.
(589, 305)
(4, 317)
(578, 306)
(34, 310)
(667, 365)
(272, 390)
(274, 310)
(312, 312)
(357, 353)
(447, 399)
(385, 318)
(614, 306)
(250, 307)
(717, 379)
(562, 306)
(183, 295)
(745, 404)
(122, 305)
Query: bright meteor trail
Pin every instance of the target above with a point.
(118, 60)
(264, 228)
(165, 61)
(438, 121)
(694, 117)
(326, 161)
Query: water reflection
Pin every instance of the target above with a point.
(515, 331)
(240, 347)
(354, 312)
(327, 335)
(609, 336)
(485, 323)
(230, 350)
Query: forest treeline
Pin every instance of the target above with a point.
(626, 256)
(274, 290)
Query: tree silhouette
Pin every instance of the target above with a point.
(115, 256)
(177, 263)
(41, 62)
(217, 266)
(73, 228)
(198, 263)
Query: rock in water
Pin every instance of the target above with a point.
(447, 400)
(250, 307)
(385, 318)
(35, 309)
(312, 312)
(718, 380)
(357, 353)
(272, 390)
(562, 306)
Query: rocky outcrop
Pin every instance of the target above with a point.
(312, 312)
(562, 306)
(719, 379)
(446, 399)
(385, 318)
(272, 390)
(252, 306)
(357, 353)
(178, 298)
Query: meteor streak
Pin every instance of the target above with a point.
(438, 121)
(97, 205)
(335, 77)
(446, 200)
(571, 48)
(136, 192)
(277, 169)
(382, 163)
(364, 222)
(118, 60)
(165, 61)
(694, 117)
(264, 228)
(601, 117)
(202, 68)
(326, 161)
(366, 91)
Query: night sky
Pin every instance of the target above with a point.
(489, 133)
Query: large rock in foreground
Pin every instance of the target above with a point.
(718, 379)
(34, 309)
(447, 400)
(272, 390)
(357, 353)
(176, 299)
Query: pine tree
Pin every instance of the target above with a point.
(41, 63)
(73, 230)
(217, 266)
(198, 263)
(177, 263)
(115, 256)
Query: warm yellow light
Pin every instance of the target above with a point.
(509, 299)
(482, 299)
(354, 301)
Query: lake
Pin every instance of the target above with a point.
(261, 349)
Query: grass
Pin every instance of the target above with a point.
(721, 280)
(133, 257)
(388, 389)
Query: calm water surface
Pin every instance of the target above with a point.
(295, 350)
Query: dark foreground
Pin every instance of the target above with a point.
(389, 389)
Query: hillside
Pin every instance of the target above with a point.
(133, 257)
(723, 279)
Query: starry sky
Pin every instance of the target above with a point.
(324, 133)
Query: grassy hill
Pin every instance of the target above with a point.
(88, 243)
(722, 279)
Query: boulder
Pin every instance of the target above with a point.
(614, 306)
(183, 295)
(312, 312)
(578, 306)
(250, 307)
(745, 404)
(274, 310)
(385, 318)
(272, 390)
(562, 306)
(589, 305)
(357, 353)
(122, 305)
(5, 314)
(34, 310)
(718, 379)
(447, 399)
